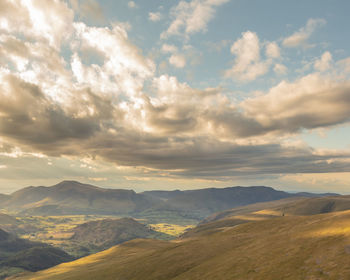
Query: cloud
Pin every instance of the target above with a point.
(166, 48)
(191, 17)
(272, 50)
(247, 65)
(173, 136)
(157, 16)
(324, 63)
(280, 69)
(49, 22)
(88, 9)
(311, 102)
(124, 68)
(344, 65)
(30, 117)
(300, 37)
(177, 60)
(105, 103)
(132, 5)
(218, 45)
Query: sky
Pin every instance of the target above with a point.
(168, 94)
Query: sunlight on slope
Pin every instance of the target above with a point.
(171, 229)
(288, 248)
(332, 227)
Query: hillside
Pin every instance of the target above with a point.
(297, 206)
(70, 197)
(103, 234)
(11, 224)
(204, 202)
(288, 247)
(23, 254)
(8, 220)
(293, 206)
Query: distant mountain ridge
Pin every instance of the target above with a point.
(71, 197)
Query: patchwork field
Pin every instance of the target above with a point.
(58, 230)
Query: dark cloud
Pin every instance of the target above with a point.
(32, 119)
(92, 126)
(104, 102)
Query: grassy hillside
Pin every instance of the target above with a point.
(293, 206)
(297, 206)
(18, 254)
(103, 234)
(285, 247)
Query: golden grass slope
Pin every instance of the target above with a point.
(289, 247)
(300, 206)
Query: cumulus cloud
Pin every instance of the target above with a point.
(166, 48)
(192, 17)
(177, 60)
(95, 103)
(310, 102)
(49, 22)
(344, 65)
(124, 68)
(132, 5)
(273, 50)
(324, 63)
(280, 69)
(154, 16)
(88, 9)
(248, 65)
(300, 37)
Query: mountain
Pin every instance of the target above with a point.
(198, 204)
(103, 234)
(284, 247)
(71, 197)
(11, 224)
(8, 220)
(23, 254)
(179, 207)
(3, 197)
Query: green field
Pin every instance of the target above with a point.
(57, 230)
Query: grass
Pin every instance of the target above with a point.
(290, 247)
(171, 229)
(57, 230)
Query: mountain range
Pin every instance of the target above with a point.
(71, 197)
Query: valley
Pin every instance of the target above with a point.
(175, 242)
(174, 140)
(263, 245)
